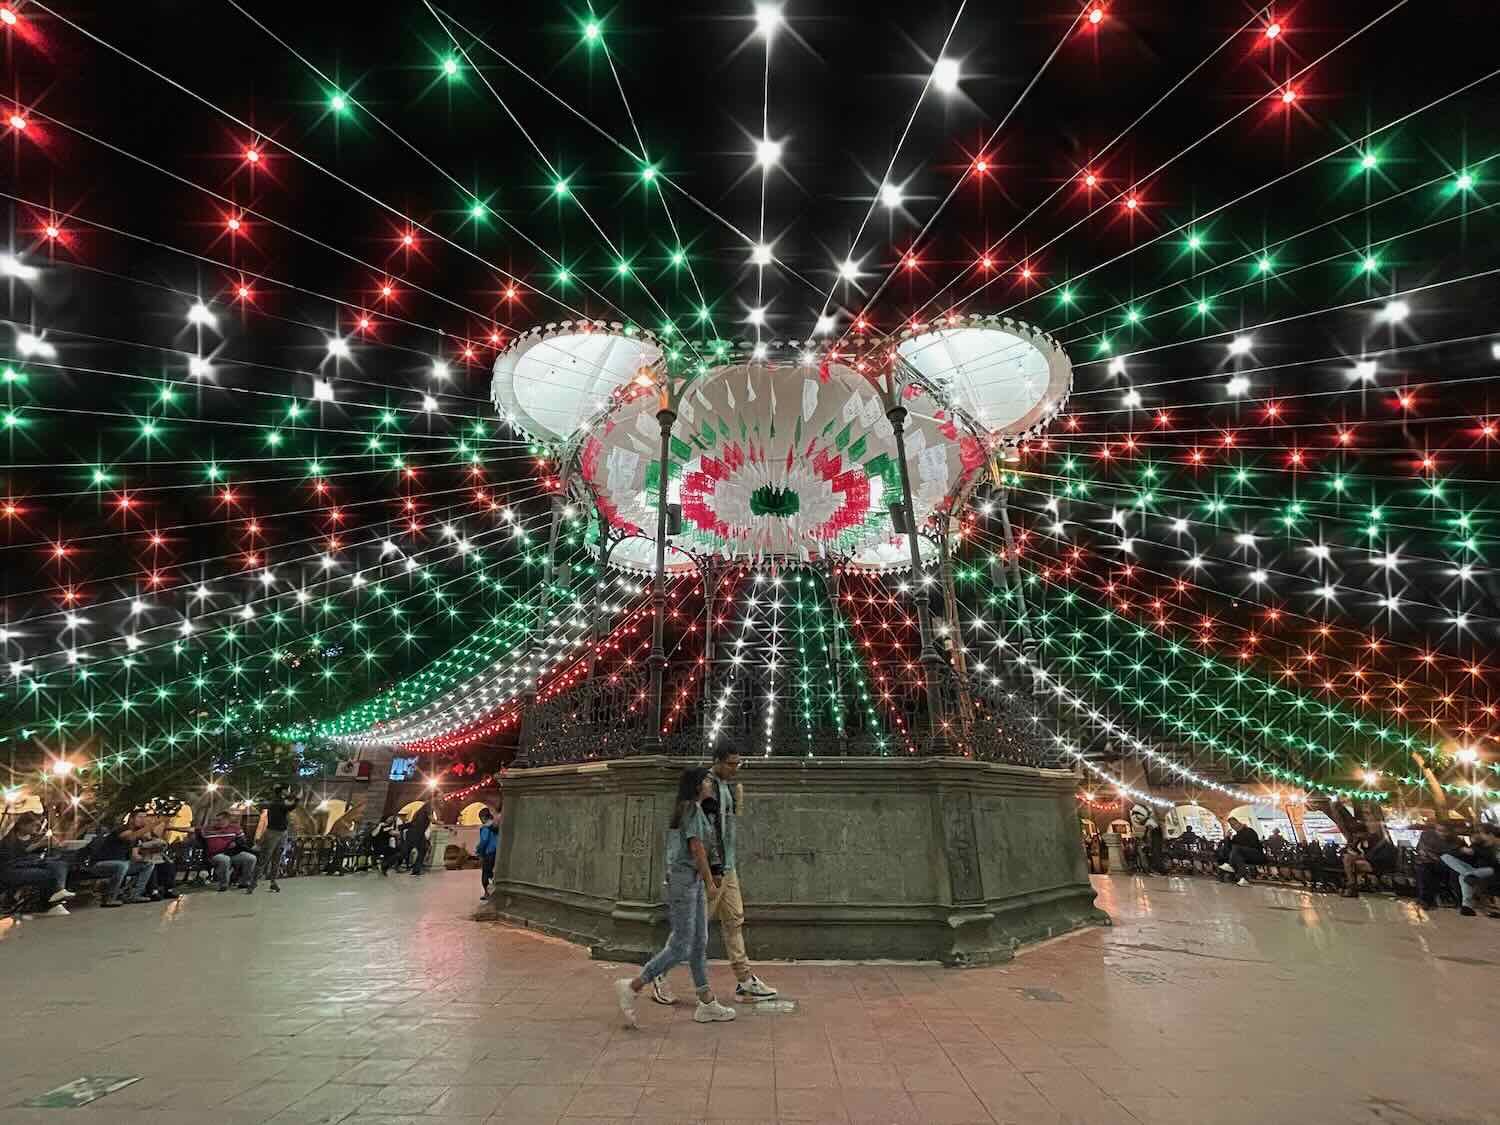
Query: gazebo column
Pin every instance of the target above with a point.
(658, 660)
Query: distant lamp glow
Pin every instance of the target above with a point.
(757, 317)
(1241, 345)
(62, 767)
(1395, 312)
(1368, 161)
(338, 103)
(429, 403)
(945, 73)
(825, 326)
(1288, 96)
(767, 19)
(8, 18)
(1237, 386)
(440, 370)
(849, 269)
(30, 344)
(17, 122)
(322, 390)
(200, 315)
(1273, 30)
(338, 348)
(198, 367)
(1467, 755)
(450, 67)
(767, 152)
(890, 195)
(13, 267)
(760, 255)
(1364, 371)
(1464, 182)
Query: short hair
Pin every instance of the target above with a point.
(725, 750)
(486, 813)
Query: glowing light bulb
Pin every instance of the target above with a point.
(198, 367)
(945, 73)
(338, 103)
(338, 348)
(1237, 386)
(17, 122)
(757, 317)
(1368, 161)
(1240, 345)
(760, 255)
(233, 224)
(890, 195)
(849, 269)
(8, 18)
(1288, 96)
(1395, 312)
(450, 67)
(1273, 30)
(1096, 15)
(1364, 370)
(767, 152)
(1131, 203)
(322, 390)
(825, 326)
(1464, 182)
(52, 231)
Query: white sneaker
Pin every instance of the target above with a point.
(1243, 883)
(713, 1012)
(626, 996)
(753, 989)
(1226, 867)
(662, 992)
(61, 896)
(58, 911)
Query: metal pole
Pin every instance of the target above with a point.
(658, 662)
(930, 658)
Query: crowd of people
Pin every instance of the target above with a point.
(1442, 858)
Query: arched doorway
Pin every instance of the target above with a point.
(469, 816)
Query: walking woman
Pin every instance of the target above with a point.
(689, 883)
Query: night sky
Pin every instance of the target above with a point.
(426, 183)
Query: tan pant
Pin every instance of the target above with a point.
(729, 908)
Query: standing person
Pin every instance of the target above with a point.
(489, 844)
(22, 866)
(689, 880)
(416, 837)
(726, 905)
(277, 810)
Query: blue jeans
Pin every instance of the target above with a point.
(118, 869)
(1466, 888)
(687, 911)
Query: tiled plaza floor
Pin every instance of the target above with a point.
(378, 1002)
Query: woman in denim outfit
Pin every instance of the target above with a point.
(689, 884)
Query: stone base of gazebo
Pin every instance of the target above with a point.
(930, 859)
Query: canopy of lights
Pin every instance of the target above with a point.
(371, 378)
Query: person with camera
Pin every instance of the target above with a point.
(722, 809)
(115, 852)
(277, 810)
(23, 863)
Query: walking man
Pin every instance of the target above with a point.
(727, 905)
(277, 810)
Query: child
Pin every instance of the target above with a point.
(489, 842)
(689, 882)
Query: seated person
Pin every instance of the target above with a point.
(1476, 866)
(153, 850)
(21, 865)
(1436, 841)
(114, 852)
(1369, 852)
(1240, 848)
(225, 847)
